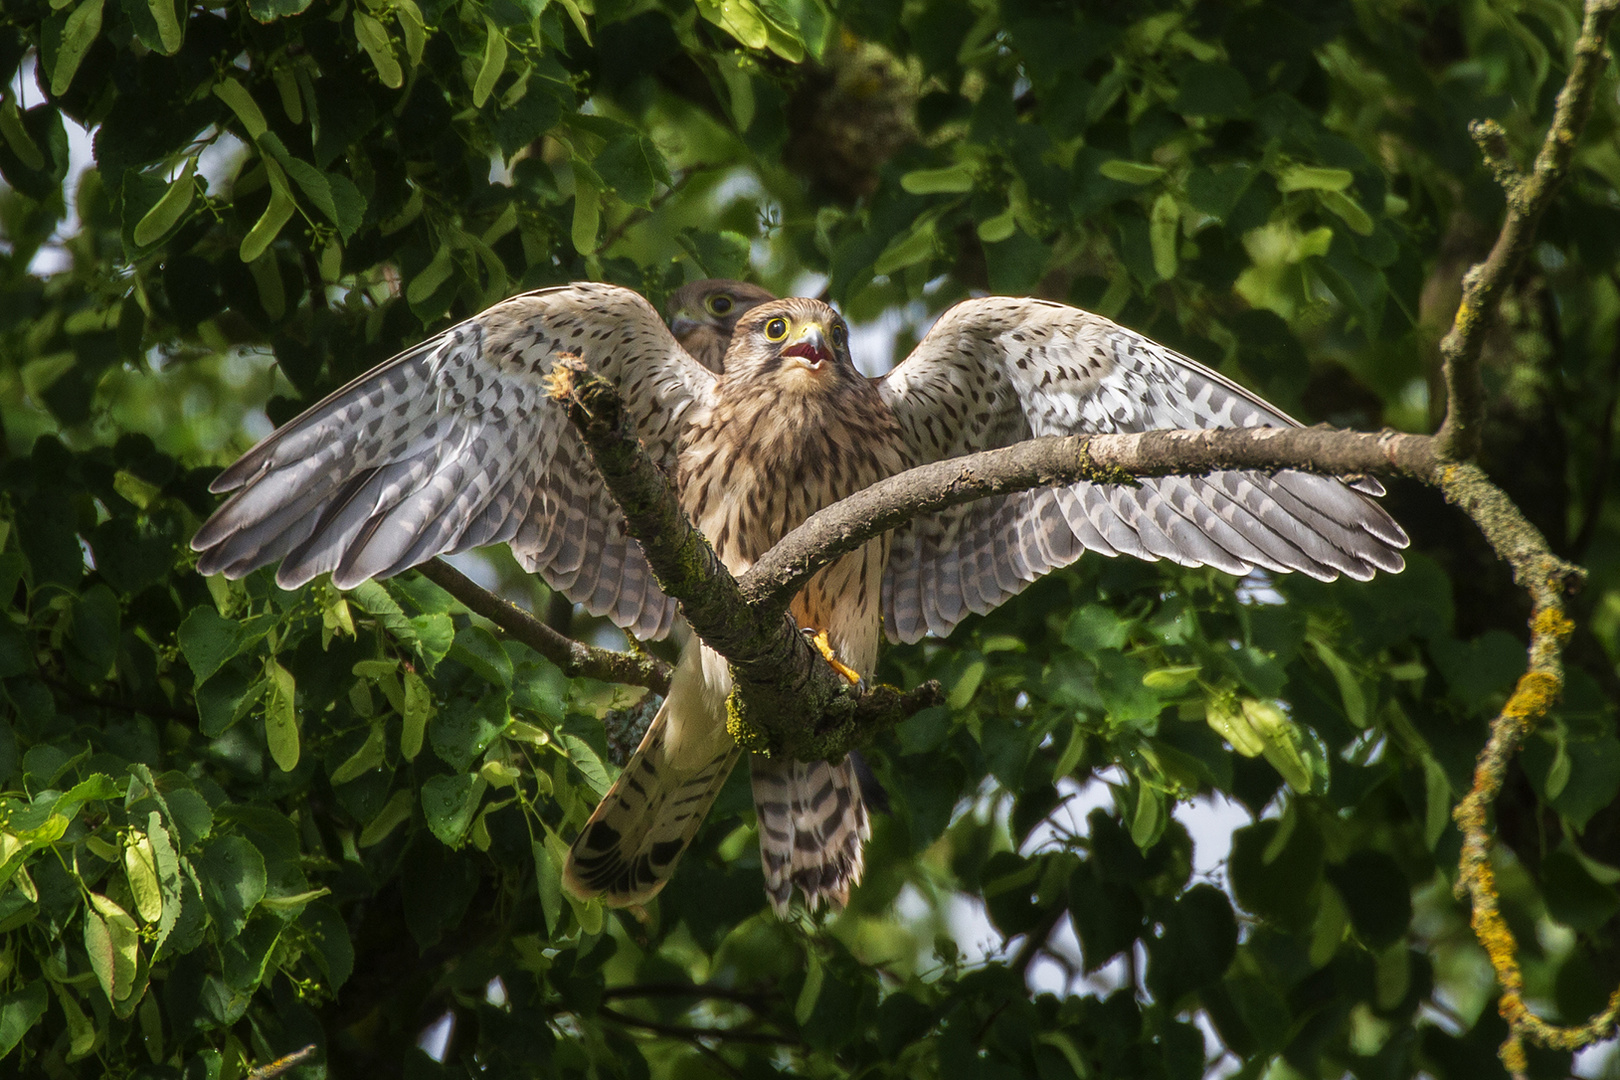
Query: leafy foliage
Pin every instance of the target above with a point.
(237, 820)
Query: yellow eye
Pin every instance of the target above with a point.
(719, 304)
(776, 330)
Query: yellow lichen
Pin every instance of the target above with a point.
(742, 732)
(1535, 694)
(1550, 622)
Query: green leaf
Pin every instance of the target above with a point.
(1196, 947)
(548, 880)
(425, 284)
(270, 10)
(949, 180)
(1131, 172)
(22, 144)
(994, 230)
(1376, 894)
(810, 992)
(281, 717)
(374, 40)
(241, 102)
(1348, 210)
(1164, 225)
(419, 709)
(79, 32)
(394, 813)
(264, 232)
(465, 727)
(632, 168)
(171, 33)
(231, 873)
(722, 254)
(1355, 702)
(372, 753)
(493, 64)
(328, 934)
(140, 867)
(1107, 915)
(586, 761)
(1282, 888)
(1573, 897)
(449, 803)
(739, 18)
(478, 649)
(20, 1010)
(918, 244)
(81, 1032)
(587, 210)
(1313, 178)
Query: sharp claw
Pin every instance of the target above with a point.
(818, 638)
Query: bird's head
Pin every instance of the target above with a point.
(795, 345)
(713, 302)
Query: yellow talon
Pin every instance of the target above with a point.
(821, 643)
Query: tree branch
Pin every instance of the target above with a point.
(573, 657)
(1057, 460)
(1527, 198)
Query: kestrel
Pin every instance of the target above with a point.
(703, 314)
(454, 444)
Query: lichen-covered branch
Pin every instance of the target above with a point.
(1548, 580)
(1527, 198)
(575, 658)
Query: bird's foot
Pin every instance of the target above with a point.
(818, 638)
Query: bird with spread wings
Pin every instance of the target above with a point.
(455, 444)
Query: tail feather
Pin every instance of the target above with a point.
(812, 826)
(630, 846)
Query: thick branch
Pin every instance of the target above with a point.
(1056, 460)
(573, 657)
(787, 699)
(1527, 198)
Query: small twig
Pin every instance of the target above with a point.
(573, 657)
(754, 1001)
(282, 1064)
(681, 1031)
(1527, 198)
(1034, 941)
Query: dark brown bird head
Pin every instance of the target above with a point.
(793, 346)
(703, 315)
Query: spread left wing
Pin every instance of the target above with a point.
(997, 370)
(454, 444)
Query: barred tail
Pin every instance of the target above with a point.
(629, 848)
(812, 825)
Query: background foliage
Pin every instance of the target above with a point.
(238, 820)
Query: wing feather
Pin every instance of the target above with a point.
(997, 370)
(455, 444)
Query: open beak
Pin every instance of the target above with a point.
(810, 347)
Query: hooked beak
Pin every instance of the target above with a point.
(683, 323)
(810, 347)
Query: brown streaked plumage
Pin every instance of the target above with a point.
(454, 444)
(703, 315)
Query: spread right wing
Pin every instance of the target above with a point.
(454, 444)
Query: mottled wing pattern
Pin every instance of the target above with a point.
(997, 370)
(813, 826)
(455, 444)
